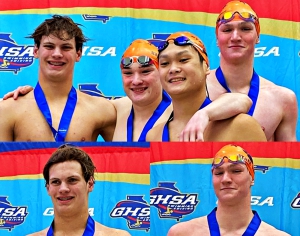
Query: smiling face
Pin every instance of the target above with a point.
(141, 83)
(181, 70)
(232, 183)
(68, 189)
(236, 40)
(57, 58)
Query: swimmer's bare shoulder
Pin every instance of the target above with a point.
(194, 227)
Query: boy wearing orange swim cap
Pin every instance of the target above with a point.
(146, 103)
(183, 67)
(233, 176)
(238, 31)
(235, 11)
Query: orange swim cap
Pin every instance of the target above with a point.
(242, 8)
(141, 47)
(194, 39)
(233, 154)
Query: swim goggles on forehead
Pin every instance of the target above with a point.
(236, 159)
(228, 16)
(142, 60)
(179, 41)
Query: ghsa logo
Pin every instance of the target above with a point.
(296, 202)
(92, 89)
(170, 202)
(12, 56)
(135, 210)
(11, 216)
(158, 38)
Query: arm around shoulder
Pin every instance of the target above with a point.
(225, 106)
(239, 128)
(228, 105)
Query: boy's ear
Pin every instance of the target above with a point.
(91, 183)
(79, 55)
(35, 51)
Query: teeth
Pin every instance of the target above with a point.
(65, 198)
(139, 89)
(176, 80)
(56, 63)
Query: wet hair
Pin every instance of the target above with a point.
(62, 27)
(67, 152)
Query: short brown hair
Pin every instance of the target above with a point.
(59, 25)
(71, 153)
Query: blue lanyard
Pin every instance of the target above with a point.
(214, 226)
(66, 117)
(166, 101)
(89, 229)
(253, 91)
(165, 134)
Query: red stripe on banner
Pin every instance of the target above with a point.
(106, 159)
(179, 151)
(120, 159)
(24, 162)
(277, 9)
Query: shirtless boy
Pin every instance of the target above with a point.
(54, 110)
(233, 176)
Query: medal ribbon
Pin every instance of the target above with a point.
(215, 230)
(66, 117)
(253, 91)
(89, 229)
(166, 101)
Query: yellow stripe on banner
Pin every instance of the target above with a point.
(278, 162)
(280, 28)
(111, 177)
(185, 161)
(274, 162)
(124, 177)
(17, 177)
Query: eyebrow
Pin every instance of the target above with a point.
(53, 178)
(71, 176)
(63, 44)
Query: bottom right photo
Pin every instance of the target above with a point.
(221, 188)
